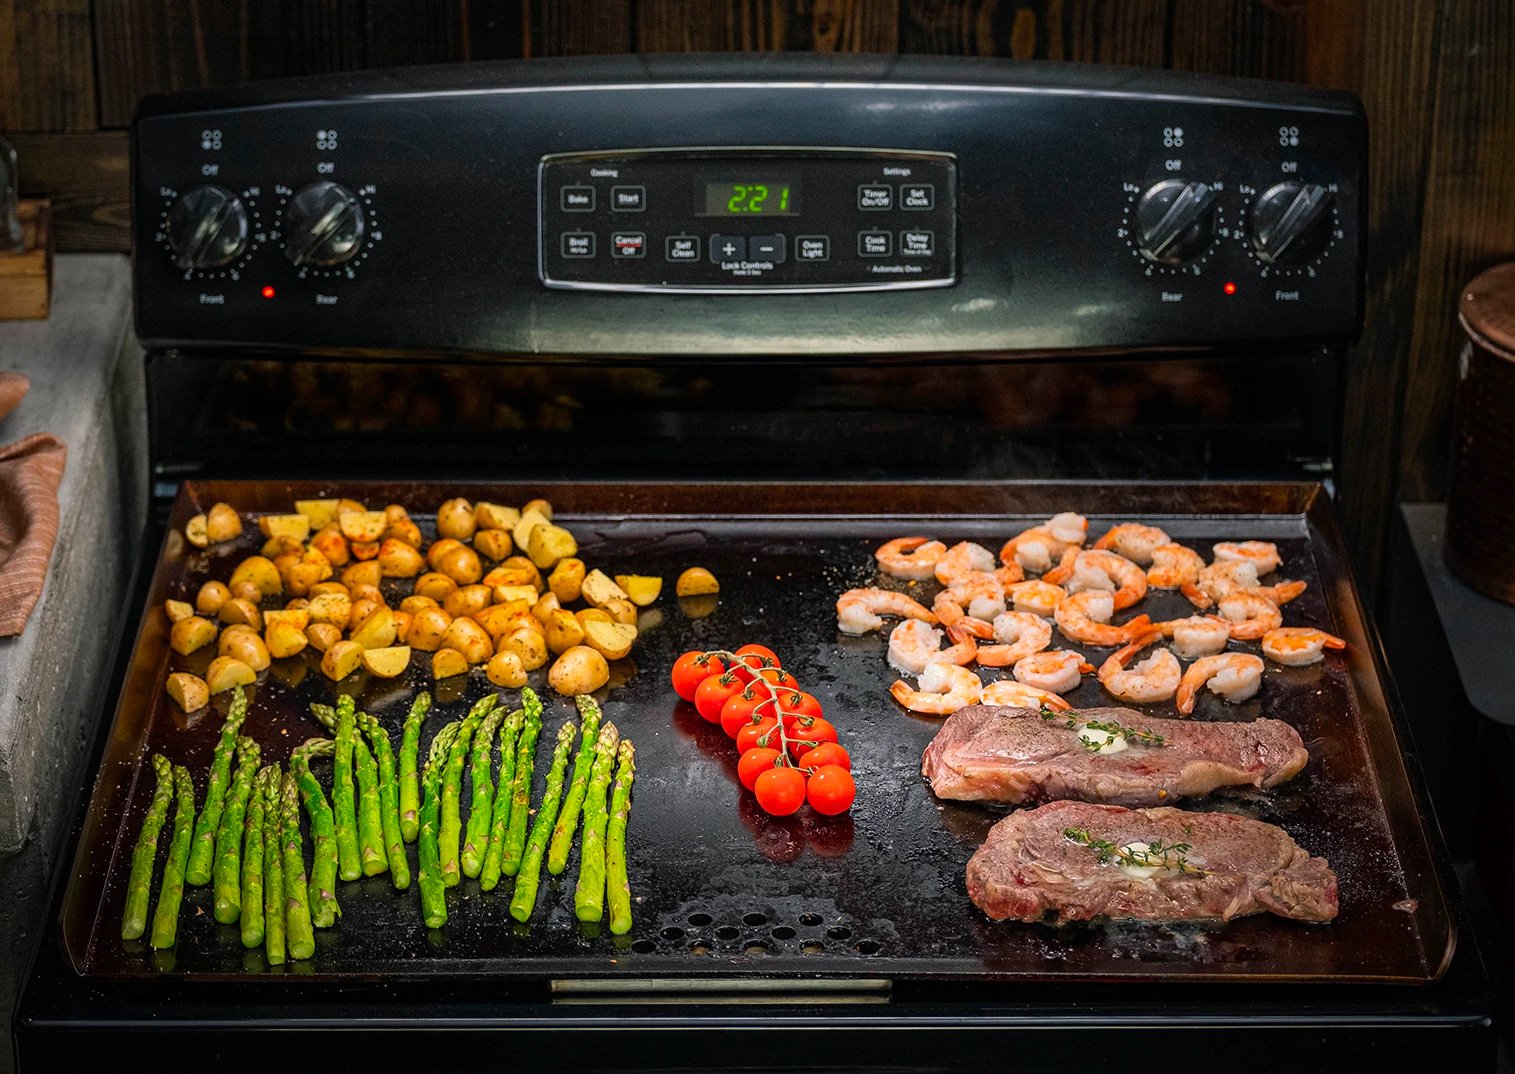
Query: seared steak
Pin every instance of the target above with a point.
(1017, 756)
(1073, 861)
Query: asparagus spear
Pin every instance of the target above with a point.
(617, 884)
(252, 866)
(589, 896)
(228, 865)
(489, 875)
(452, 789)
(433, 888)
(476, 834)
(273, 866)
(568, 821)
(326, 715)
(301, 939)
(139, 887)
(198, 871)
(524, 898)
(389, 806)
(171, 892)
(370, 823)
(322, 897)
(410, 745)
(520, 791)
(349, 865)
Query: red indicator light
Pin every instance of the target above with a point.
(1229, 288)
(268, 291)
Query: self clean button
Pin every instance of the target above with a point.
(682, 248)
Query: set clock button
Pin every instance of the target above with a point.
(1291, 222)
(918, 196)
(323, 225)
(812, 248)
(1175, 221)
(578, 244)
(875, 243)
(206, 228)
(875, 198)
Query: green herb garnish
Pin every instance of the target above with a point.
(1071, 721)
(1158, 855)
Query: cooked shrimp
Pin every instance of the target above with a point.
(952, 616)
(979, 593)
(1134, 541)
(1057, 670)
(1234, 676)
(1154, 679)
(1036, 596)
(913, 644)
(1085, 618)
(1069, 527)
(1251, 616)
(961, 560)
(911, 558)
(1019, 695)
(1261, 554)
(1009, 574)
(944, 688)
(1298, 646)
(1197, 635)
(1174, 565)
(1224, 577)
(1036, 549)
(1018, 635)
(1099, 570)
(861, 610)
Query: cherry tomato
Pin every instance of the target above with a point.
(795, 704)
(711, 694)
(753, 764)
(762, 656)
(824, 754)
(830, 790)
(738, 710)
(691, 669)
(779, 677)
(780, 791)
(809, 732)
(747, 738)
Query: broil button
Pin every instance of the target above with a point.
(578, 244)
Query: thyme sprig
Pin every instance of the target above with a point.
(1157, 855)
(1073, 722)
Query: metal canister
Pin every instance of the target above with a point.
(1481, 506)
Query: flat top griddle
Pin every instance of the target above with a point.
(722, 890)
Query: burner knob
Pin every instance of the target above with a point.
(323, 225)
(1291, 222)
(1175, 221)
(206, 228)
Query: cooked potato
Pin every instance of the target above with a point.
(550, 543)
(599, 589)
(285, 639)
(400, 527)
(362, 527)
(415, 602)
(245, 646)
(362, 574)
(505, 670)
(296, 604)
(494, 544)
(585, 616)
(610, 640)
(641, 589)
(461, 564)
(377, 630)
(445, 663)
(403, 620)
(295, 527)
(492, 516)
(187, 635)
(622, 611)
(297, 617)
(321, 589)
(530, 520)
(696, 582)
(427, 627)
(247, 591)
(312, 569)
(435, 585)
(222, 523)
(275, 547)
(468, 600)
(323, 636)
(260, 572)
(178, 609)
(439, 548)
(567, 580)
(333, 608)
(361, 610)
(238, 610)
(341, 660)
(320, 512)
(367, 592)
(498, 619)
(190, 692)
(387, 663)
(527, 643)
(580, 670)
(455, 519)
(364, 550)
(546, 604)
(527, 576)
(468, 638)
(562, 631)
(331, 544)
(399, 560)
(210, 598)
(345, 505)
(195, 532)
(540, 506)
(226, 672)
(505, 594)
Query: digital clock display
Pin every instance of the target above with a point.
(756, 196)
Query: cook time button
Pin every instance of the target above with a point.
(874, 243)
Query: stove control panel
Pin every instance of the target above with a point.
(748, 220)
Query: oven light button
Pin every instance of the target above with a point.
(812, 248)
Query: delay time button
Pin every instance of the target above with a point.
(917, 243)
(577, 199)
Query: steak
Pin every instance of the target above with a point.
(1219, 866)
(1019, 756)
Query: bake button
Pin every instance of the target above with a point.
(628, 244)
(728, 248)
(628, 199)
(812, 248)
(578, 244)
(682, 248)
(917, 243)
(577, 199)
(875, 198)
(874, 243)
(918, 196)
(766, 248)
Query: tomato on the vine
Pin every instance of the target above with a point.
(779, 677)
(831, 790)
(760, 655)
(824, 754)
(797, 703)
(748, 737)
(754, 763)
(691, 669)
(738, 710)
(809, 732)
(780, 791)
(711, 694)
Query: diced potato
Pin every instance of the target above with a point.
(415, 602)
(540, 506)
(527, 643)
(468, 638)
(402, 626)
(399, 560)
(285, 639)
(364, 550)
(562, 631)
(320, 512)
(435, 585)
(468, 600)
(400, 526)
(346, 506)
(498, 619)
(238, 610)
(580, 670)
(599, 588)
(323, 636)
(426, 629)
(610, 640)
(275, 547)
(334, 608)
(493, 516)
(362, 574)
(696, 582)
(455, 519)
(461, 564)
(494, 544)
(567, 580)
(226, 672)
(187, 635)
(362, 526)
(361, 610)
(248, 591)
(387, 663)
(439, 548)
(195, 532)
(246, 646)
(322, 588)
(445, 663)
(341, 660)
(530, 520)
(210, 598)
(331, 544)
(622, 611)
(363, 591)
(295, 527)
(546, 604)
(260, 572)
(641, 589)
(296, 604)
(505, 670)
(188, 691)
(309, 571)
(585, 616)
(376, 631)
(299, 618)
(503, 594)
(222, 523)
(178, 609)
(550, 543)
(526, 575)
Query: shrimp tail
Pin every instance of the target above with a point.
(1284, 592)
(1197, 596)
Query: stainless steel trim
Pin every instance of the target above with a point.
(11, 236)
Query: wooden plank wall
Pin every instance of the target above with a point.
(1437, 78)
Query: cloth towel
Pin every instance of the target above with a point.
(30, 472)
(12, 388)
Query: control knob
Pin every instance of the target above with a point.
(1175, 221)
(323, 225)
(1291, 222)
(206, 228)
